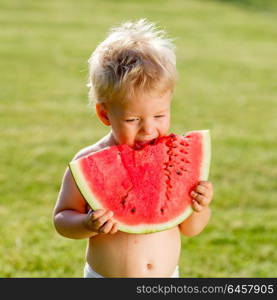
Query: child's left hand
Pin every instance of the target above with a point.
(202, 195)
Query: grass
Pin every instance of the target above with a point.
(227, 64)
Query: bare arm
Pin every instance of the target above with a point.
(198, 220)
(70, 214)
(71, 218)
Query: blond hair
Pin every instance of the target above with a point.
(135, 57)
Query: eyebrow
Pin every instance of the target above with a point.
(134, 114)
(162, 111)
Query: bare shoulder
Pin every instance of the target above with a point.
(106, 141)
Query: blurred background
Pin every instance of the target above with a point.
(227, 62)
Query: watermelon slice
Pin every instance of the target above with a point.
(148, 189)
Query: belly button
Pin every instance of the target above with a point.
(149, 266)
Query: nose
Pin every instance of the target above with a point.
(147, 128)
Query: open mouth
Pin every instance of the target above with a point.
(142, 144)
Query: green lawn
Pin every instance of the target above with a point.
(227, 62)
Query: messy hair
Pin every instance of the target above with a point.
(135, 57)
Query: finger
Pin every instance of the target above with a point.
(94, 215)
(106, 228)
(201, 189)
(196, 206)
(114, 229)
(207, 184)
(196, 195)
(202, 200)
(103, 219)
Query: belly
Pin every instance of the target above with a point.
(135, 255)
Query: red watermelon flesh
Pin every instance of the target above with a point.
(148, 189)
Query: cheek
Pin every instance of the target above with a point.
(126, 133)
(166, 124)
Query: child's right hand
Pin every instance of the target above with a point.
(100, 221)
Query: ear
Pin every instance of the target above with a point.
(102, 113)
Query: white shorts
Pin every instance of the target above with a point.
(90, 273)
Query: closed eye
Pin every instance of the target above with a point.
(136, 119)
(130, 120)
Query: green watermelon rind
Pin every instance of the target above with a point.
(145, 228)
(83, 186)
(205, 165)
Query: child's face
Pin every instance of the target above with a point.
(140, 120)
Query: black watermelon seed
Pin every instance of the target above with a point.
(133, 210)
(123, 203)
